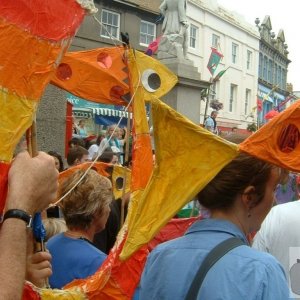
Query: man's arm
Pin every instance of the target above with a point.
(13, 237)
(32, 185)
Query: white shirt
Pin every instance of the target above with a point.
(93, 150)
(280, 236)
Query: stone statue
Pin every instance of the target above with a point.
(174, 42)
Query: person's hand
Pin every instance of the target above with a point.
(32, 182)
(38, 268)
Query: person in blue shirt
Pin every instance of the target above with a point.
(211, 123)
(86, 209)
(81, 129)
(239, 198)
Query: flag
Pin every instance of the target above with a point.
(214, 60)
(282, 103)
(259, 104)
(219, 75)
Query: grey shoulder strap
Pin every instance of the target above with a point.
(212, 257)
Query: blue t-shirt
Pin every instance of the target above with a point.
(72, 259)
(210, 124)
(243, 273)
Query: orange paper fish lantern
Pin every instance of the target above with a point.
(34, 36)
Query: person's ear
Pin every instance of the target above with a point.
(249, 197)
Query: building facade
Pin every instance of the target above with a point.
(273, 68)
(212, 26)
(137, 17)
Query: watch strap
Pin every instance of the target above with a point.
(18, 214)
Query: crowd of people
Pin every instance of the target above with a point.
(82, 230)
(81, 215)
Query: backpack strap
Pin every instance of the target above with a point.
(212, 257)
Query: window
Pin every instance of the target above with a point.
(270, 71)
(249, 59)
(275, 74)
(232, 98)
(265, 74)
(215, 41)
(193, 36)
(279, 77)
(147, 33)
(235, 53)
(110, 24)
(247, 101)
(283, 79)
(261, 61)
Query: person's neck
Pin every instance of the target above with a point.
(80, 233)
(231, 217)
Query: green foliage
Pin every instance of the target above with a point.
(216, 105)
(252, 127)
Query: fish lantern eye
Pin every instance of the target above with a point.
(119, 183)
(64, 72)
(289, 138)
(151, 80)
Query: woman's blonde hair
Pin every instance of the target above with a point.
(90, 197)
(54, 226)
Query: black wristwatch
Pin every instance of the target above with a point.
(18, 214)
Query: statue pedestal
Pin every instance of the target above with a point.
(185, 96)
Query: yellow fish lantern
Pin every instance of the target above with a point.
(34, 36)
(154, 78)
(121, 180)
(178, 175)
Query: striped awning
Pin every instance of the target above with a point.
(110, 112)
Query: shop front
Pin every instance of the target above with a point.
(96, 116)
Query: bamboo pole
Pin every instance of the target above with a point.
(126, 158)
(33, 151)
(33, 139)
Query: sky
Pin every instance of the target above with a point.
(284, 15)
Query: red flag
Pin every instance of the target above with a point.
(214, 60)
(259, 104)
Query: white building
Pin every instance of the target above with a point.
(213, 26)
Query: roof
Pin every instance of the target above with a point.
(152, 5)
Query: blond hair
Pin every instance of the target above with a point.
(90, 197)
(54, 226)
